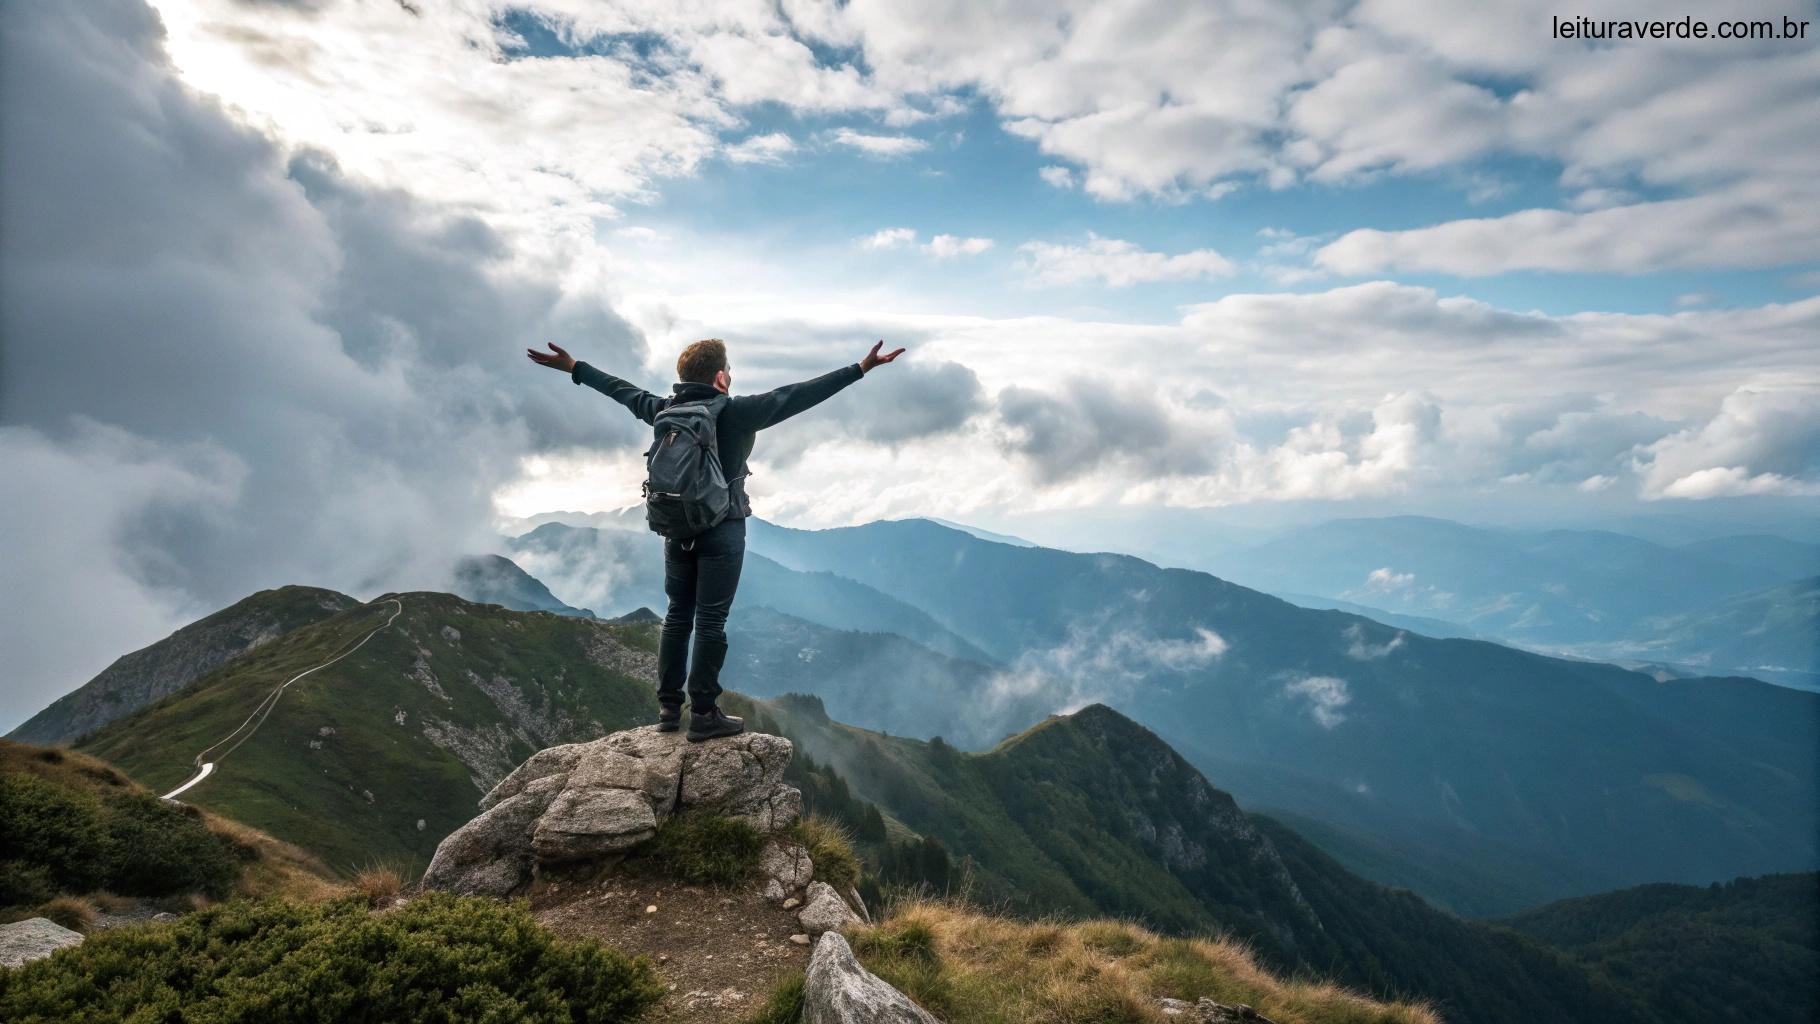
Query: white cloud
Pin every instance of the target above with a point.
(1750, 225)
(770, 148)
(879, 145)
(888, 238)
(1057, 176)
(1325, 696)
(1359, 648)
(1118, 263)
(1760, 442)
(1386, 579)
(945, 246)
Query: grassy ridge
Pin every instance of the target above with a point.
(412, 727)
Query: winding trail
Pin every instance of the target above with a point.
(246, 729)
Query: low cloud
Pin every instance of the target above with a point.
(1325, 697)
(1360, 648)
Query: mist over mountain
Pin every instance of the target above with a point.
(1588, 776)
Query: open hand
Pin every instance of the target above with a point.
(873, 358)
(559, 361)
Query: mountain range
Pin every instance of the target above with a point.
(382, 752)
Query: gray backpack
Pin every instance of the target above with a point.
(685, 487)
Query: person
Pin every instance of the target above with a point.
(701, 573)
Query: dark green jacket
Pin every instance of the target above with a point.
(741, 420)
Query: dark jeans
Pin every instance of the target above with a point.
(700, 576)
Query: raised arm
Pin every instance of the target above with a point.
(642, 403)
(756, 412)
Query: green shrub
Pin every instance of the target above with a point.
(784, 1005)
(705, 849)
(64, 840)
(440, 958)
(830, 848)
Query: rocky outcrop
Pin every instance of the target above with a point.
(1206, 1011)
(599, 799)
(32, 939)
(837, 990)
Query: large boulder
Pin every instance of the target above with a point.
(33, 939)
(601, 798)
(837, 990)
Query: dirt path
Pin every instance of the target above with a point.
(246, 729)
(719, 951)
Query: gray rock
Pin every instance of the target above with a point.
(837, 990)
(33, 939)
(491, 855)
(773, 889)
(584, 822)
(824, 910)
(1206, 1011)
(544, 763)
(788, 863)
(606, 796)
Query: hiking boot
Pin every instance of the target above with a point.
(669, 719)
(713, 725)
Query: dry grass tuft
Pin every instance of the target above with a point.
(72, 912)
(971, 968)
(379, 884)
(272, 867)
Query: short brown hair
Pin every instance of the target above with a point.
(702, 360)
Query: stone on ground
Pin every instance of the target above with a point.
(33, 939)
(838, 990)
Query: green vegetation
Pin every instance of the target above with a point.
(1743, 950)
(830, 850)
(440, 958)
(58, 839)
(783, 1005)
(411, 728)
(76, 832)
(703, 849)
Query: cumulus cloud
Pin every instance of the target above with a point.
(940, 246)
(1325, 698)
(945, 246)
(334, 410)
(1760, 442)
(879, 145)
(888, 238)
(1118, 263)
(770, 148)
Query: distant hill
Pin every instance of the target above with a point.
(1765, 633)
(1532, 587)
(160, 669)
(1592, 776)
(1742, 950)
(496, 579)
